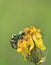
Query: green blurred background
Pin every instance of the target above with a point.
(15, 15)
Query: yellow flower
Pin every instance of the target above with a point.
(31, 39)
(30, 44)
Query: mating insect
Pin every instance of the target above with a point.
(15, 38)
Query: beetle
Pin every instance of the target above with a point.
(15, 38)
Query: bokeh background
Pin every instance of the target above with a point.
(15, 15)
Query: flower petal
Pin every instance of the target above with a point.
(39, 43)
